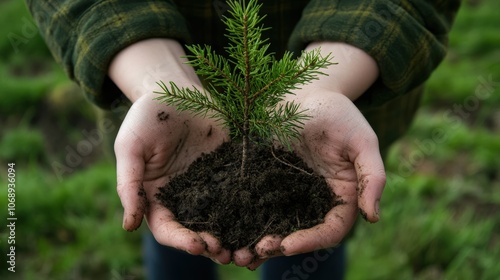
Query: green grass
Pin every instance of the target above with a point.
(22, 143)
(18, 32)
(26, 90)
(440, 217)
(474, 53)
(70, 227)
(440, 209)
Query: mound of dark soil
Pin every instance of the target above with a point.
(273, 199)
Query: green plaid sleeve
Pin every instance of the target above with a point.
(407, 38)
(85, 35)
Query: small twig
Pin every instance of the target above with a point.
(289, 164)
(263, 231)
(192, 223)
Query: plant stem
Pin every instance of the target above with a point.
(244, 157)
(246, 94)
(289, 164)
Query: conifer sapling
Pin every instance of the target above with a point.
(246, 90)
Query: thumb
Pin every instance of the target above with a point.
(371, 181)
(130, 172)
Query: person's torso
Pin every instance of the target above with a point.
(204, 19)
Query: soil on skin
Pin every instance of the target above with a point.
(274, 199)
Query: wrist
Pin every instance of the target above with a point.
(354, 72)
(137, 69)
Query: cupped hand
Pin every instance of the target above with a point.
(339, 144)
(156, 142)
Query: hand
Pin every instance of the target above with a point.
(339, 144)
(155, 143)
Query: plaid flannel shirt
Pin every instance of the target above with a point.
(407, 38)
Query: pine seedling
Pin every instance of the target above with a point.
(246, 90)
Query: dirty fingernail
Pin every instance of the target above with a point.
(363, 214)
(283, 250)
(270, 253)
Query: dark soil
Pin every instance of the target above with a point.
(273, 199)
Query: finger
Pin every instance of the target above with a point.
(371, 181)
(243, 257)
(254, 265)
(269, 246)
(129, 176)
(338, 222)
(215, 250)
(167, 231)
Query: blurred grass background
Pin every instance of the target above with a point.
(440, 210)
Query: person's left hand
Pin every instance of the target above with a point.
(339, 144)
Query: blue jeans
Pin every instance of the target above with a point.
(166, 263)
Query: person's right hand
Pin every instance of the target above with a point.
(156, 142)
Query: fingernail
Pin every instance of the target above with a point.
(363, 214)
(216, 261)
(283, 250)
(269, 254)
(293, 254)
(124, 223)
